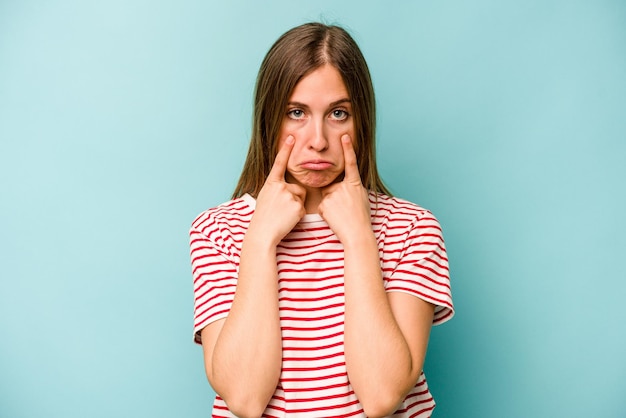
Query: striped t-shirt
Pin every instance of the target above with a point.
(313, 381)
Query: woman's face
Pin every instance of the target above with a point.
(318, 113)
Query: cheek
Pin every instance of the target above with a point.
(294, 157)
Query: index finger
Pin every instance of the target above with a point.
(349, 158)
(277, 172)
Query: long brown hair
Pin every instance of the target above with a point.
(295, 54)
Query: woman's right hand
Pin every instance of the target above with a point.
(279, 205)
(243, 352)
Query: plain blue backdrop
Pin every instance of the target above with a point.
(121, 120)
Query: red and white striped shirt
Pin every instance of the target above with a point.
(313, 381)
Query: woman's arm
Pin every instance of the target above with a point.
(385, 336)
(243, 353)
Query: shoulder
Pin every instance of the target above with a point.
(231, 213)
(397, 209)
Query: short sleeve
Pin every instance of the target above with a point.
(214, 279)
(422, 267)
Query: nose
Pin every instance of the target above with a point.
(318, 140)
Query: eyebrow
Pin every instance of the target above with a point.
(333, 104)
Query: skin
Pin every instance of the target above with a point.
(316, 171)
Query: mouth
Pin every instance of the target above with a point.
(316, 165)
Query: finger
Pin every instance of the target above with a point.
(277, 172)
(349, 158)
(297, 191)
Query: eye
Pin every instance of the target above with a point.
(295, 114)
(339, 114)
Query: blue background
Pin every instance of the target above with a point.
(120, 121)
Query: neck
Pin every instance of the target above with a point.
(312, 200)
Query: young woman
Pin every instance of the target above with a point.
(315, 290)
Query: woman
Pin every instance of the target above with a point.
(315, 291)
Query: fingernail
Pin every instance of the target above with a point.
(345, 138)
(289, 140)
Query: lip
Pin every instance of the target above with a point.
(316, 165)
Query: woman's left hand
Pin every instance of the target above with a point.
(345, 205)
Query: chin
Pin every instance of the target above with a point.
(317, 180)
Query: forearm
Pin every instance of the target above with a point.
(378, 357)
(246, 361)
